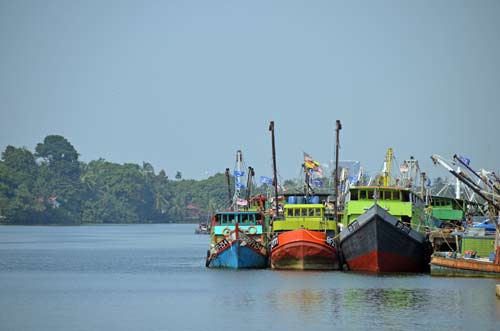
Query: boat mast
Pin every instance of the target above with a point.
(387, 167)
(229, 186)
(339, 127)
(275, 177)
(251, 173)
(457, 186)
(238, 173)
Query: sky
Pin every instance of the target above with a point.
(185, 84)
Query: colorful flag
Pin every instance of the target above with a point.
(266, 180)
(309, 163)
(318, 183)
(464, 159)
(240, 185)
(238, 173)
(241, 202)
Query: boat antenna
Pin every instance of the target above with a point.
(275, 177)
(338, 128)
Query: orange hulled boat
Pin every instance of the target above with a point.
(304, 239)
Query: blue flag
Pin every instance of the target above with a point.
(240, 185)
(318, 183)
(266, 180)
(239, 173)
(464, 159)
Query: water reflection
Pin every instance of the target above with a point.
(395, 299)
(368, 308)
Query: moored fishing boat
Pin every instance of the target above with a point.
(476, 258)
(304, 239)
(237, 241)
(238, 237)
(203, 228)
(383, 228)
(479, 254)
(379, 242)
(447, 264)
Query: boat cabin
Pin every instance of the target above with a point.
(240, 217)
(304, 216)
(397, 201)
(447, 209)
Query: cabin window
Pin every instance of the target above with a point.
(225, 219)
(387, 195)
(370, 195)
(362, 194)
(406, 196)
(311, 211)
(289, 212)
(248, 218)
(395, 195)
(354, 194)
(303, 212)
(318, 212)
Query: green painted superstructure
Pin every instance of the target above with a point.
(482, 245)
(304, 216)
(447, 209)
(399, 202)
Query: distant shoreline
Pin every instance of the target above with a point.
(86, 224)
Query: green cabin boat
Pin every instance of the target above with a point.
(447, 210)
(401, 203)
(304, 238)
(383, 227)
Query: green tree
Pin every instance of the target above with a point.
(18, 172)
(58, 183)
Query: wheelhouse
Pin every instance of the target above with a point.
(242, 218)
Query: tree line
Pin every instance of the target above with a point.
(51, 186)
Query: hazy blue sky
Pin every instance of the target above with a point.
(184, 84)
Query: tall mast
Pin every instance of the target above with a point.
(238, 175)
(457, 186)
(229, 187)
(251, 173)
(339, 127)
(387, 170)
(275, 177)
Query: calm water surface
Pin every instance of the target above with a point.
(153, 277)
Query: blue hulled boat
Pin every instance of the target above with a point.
(237, 241)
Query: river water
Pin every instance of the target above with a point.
(153, 277)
